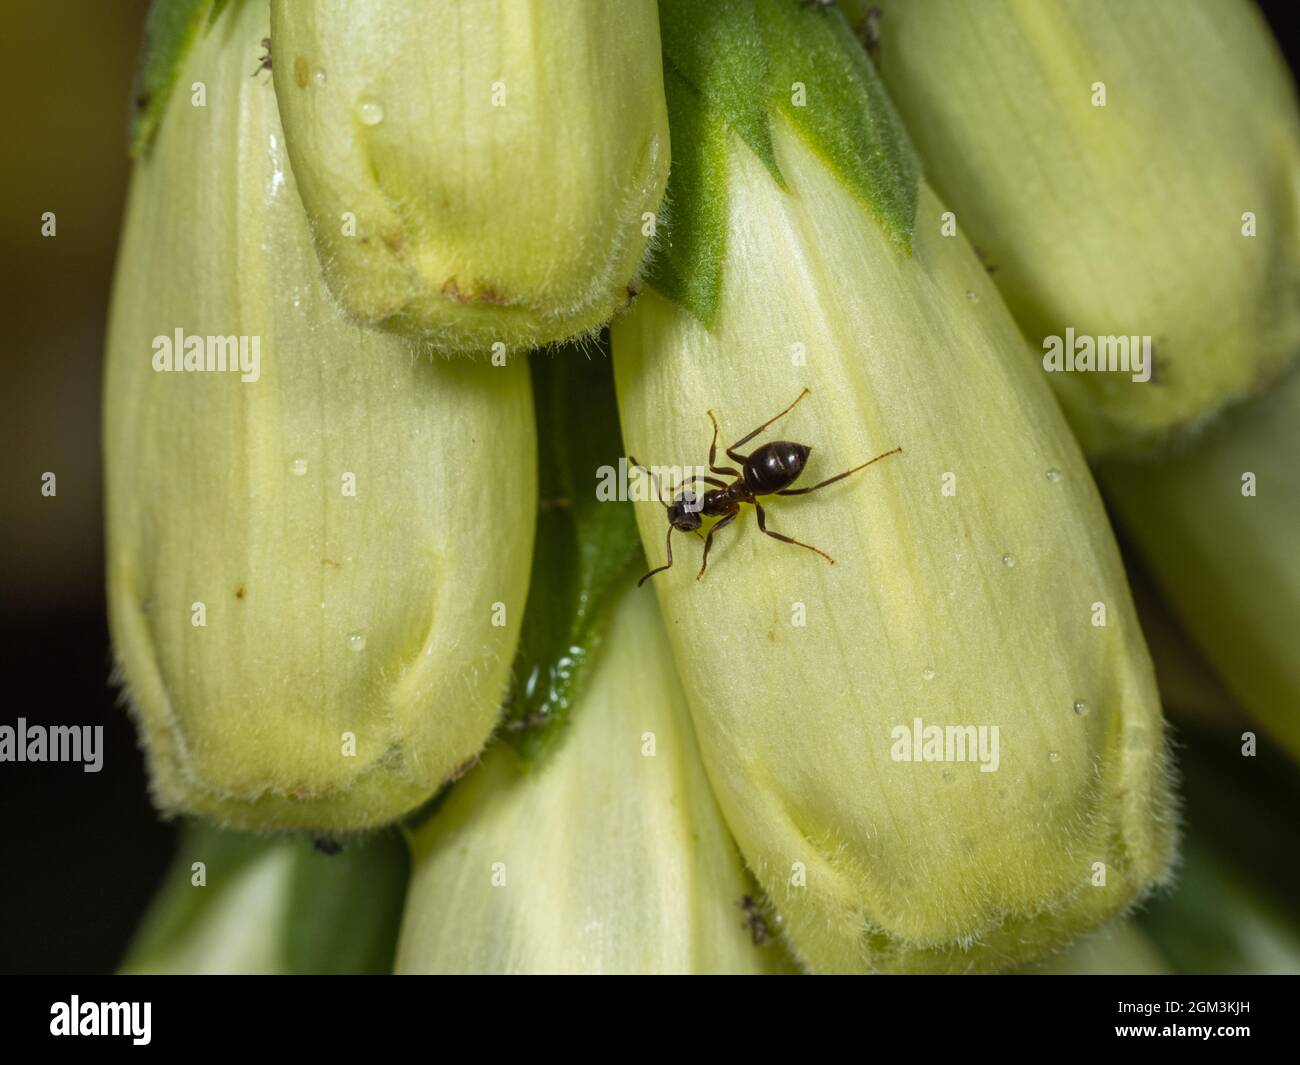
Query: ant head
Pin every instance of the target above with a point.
(684, 514)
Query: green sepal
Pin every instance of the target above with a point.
(718, 50)
(345, 909)
(687, 266)
(727, 67)
(583, 547)
(847, 119)
(170, 28)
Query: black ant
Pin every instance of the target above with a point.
(755, 923)
(869, 31)
(264, 62)
(766, 471)
(326, 845)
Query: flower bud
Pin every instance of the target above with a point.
(1128, 172)
(318, 536)
(976, 595)
(1217, 524)
(611, 857)
(476, 173)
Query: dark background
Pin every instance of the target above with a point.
(80, 853)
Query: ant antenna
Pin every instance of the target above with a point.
(654, 481)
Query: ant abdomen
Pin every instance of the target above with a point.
(774, 466)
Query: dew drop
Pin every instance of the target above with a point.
(1053, 475)
(928, 673)
(973, 297)
(1080, 707)
(318, 75)
(1053, 756)
(357, 641)
(299, 466)
(370, 112)
(1008, 560)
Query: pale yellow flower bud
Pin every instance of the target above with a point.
(478, 173)
(1130, 172)
(977, 592)
(317, 559)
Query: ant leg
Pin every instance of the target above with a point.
(762, 525)
(838, 476)
(713, 453)
(708, 540)
(664, 567)
(731, 451)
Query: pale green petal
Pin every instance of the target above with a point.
(236, 933)
(246, 904)
(1218, 522)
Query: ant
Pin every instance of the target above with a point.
(755, 923)
(264, 62)
(766, 471)
(869, 31)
